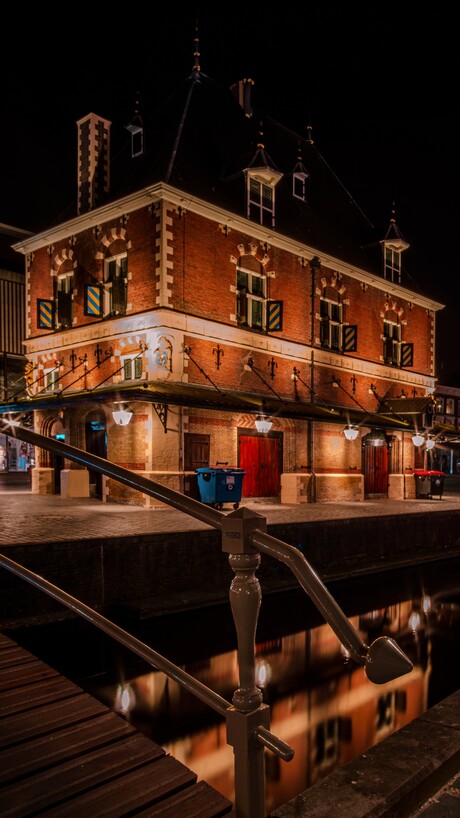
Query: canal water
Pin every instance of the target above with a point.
(321, 702)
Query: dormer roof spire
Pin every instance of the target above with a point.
(196, 53)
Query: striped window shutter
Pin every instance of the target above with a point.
(275, 316)
(407, 354)
(93, 299)
(45, 313)
(350, 338)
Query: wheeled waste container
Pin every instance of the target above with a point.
(428, 483)
(218, 486)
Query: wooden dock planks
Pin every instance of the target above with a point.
(62, 753)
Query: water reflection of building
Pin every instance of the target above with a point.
(321, 703)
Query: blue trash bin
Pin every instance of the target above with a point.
(218, 486)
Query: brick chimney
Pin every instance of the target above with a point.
(93, 161)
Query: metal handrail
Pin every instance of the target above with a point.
(244, 537)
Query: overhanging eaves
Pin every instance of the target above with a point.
(203, 397)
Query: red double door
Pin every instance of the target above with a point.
(375, 466)
(260, 458)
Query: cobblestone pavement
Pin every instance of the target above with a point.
(28, 518)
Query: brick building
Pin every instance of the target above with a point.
(217, 273)
(15, 457)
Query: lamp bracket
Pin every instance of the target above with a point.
(162, 411)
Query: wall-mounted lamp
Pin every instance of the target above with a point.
(430, 444)
(371, 389)
(417, 439)
(351, 432)
(335, 382)
(263, 424)
(122, 416)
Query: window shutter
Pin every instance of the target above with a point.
(350, 338)
(324, 332)
(45, 313)
(64, 308)
(138, 368)
(275, 316)
(119, 295)
(93, 299)
(242, 305)
(407, 354)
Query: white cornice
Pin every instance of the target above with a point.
(159, 192)
(174, 322)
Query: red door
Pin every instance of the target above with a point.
(375, 470)
(259, 457)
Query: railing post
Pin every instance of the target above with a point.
(248, 711)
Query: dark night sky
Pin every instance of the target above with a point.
(376, 84)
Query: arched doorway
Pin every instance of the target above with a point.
(53, 427)
(375, 464)
(96, 443)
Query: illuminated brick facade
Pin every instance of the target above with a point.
(169, 299)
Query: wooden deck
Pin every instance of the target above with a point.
(63, 753)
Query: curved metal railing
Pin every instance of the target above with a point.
(244, 539)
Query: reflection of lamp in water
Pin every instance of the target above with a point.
(414, 621)
(263, 672)
(426, 604)
(124, 699)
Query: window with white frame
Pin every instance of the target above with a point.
(261, 202)
(331, 314)
(251, 298)
(391, 342)
(392, 264)
(64, 288)
(115, 284)
(299, 184)
(49, 380)
(132, 367)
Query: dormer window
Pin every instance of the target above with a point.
(392, 271)
(261, 181)
(393, 246)
(299, 186)
(136, 129)
(261, 203)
